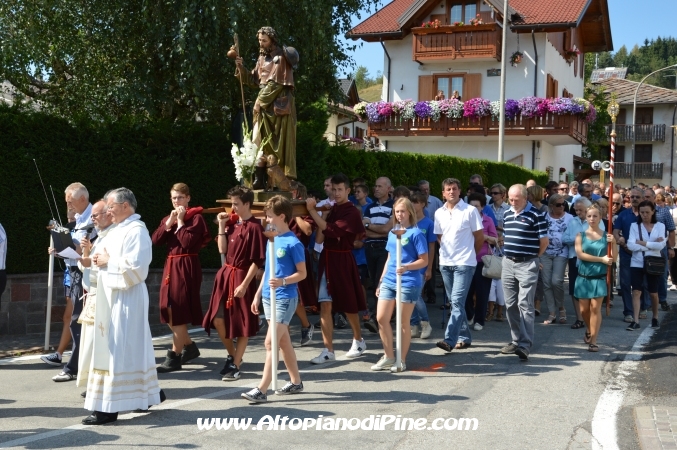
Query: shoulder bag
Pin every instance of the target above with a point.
(653, 265)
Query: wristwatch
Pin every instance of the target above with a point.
(366, 225)
(284, 281)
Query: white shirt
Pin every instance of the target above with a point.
(79, 232)
(3, 248)
(652, 248)
(456, 227)
(318, 247)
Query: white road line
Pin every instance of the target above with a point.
(130, 415)
(604, 420)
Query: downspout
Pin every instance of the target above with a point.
(388, 90)
(533, 143)
(672, 145)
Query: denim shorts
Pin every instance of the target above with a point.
(323, 294)
(284, 309)
(409, 294)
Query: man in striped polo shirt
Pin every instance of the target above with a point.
(526, 238)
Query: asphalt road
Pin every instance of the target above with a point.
(548, 402)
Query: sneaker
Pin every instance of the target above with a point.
(307, 334)
(628, 319)
(415, 331)
(255, 396)
(523, 353)
(509, 349)
(401, 368)
(672, 288)
(633, 326)
(665, 306)
(53, 360)
(384, 363)
(426, 330)
(371, 325)
(478, 327)
(356, 349)
(642, 314)
(654, 323)
(290, 388)
(227, 365)
(232, 374)
(189, 353)
(471, 322)
(325, 357)
(63, 376)
(340, 321)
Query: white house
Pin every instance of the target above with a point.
(449, 56)
(344, 125)
(654, 135)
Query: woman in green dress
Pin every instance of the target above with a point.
(591, 287)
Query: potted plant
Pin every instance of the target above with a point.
(516, 58)
(431, 24)
(571, 54)
(476, 21)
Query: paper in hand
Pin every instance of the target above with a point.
(68, 253)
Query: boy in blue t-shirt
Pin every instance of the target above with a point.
(420, 321)
(290, 268)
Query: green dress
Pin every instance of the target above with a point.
(591, 280)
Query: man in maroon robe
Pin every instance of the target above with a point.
(339, 280)
(303, 228)
(241, 239)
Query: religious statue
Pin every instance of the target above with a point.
(275, 108)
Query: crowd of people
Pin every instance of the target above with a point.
(340, 261)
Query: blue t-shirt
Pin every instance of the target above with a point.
(427, 227)
(488, 211)
(289, 252)
(414, 243)
(623, 222)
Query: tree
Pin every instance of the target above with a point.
(361, 77)
(164, 59)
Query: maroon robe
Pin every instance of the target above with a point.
(246, 245)
(182, 275)
(344, 225)
(306, 287)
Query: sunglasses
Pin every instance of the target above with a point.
(617, 203)
(635, 196)
(559, 205)
(496, 193)
(562, 189)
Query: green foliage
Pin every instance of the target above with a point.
(147, 159)
(364, 80)
(164, 59)
(408, 168)
(311, 147)
(598, 139)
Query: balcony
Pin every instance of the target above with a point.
(643, 170)
(452, 41)
(557, 129)
(645, 133)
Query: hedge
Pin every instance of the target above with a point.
(148, 158)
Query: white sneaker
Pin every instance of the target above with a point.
(356, 349)
(325, 357)
(395, 369)
(384, 363)
(426, 330)
(672, 288)
(415, 331)
(471, 322)
(478, 327)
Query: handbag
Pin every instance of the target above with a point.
(493, 264)
(653, 265)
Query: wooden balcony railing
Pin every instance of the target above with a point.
(644, 170)
(451, 42)
(644, 133)
(550, 124)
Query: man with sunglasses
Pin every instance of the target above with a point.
(563, 190)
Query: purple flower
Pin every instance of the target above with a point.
(423, 110)
(592, 114)
(476, 108)
(512, 109)
(385, 109)
(533, 107)
(372, 113)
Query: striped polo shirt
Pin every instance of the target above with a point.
(379, 214)
(523, 232)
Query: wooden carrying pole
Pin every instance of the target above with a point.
(609, 249)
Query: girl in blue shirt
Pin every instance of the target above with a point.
(414, 258)
(290, 268)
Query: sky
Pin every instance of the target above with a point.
(630, 25)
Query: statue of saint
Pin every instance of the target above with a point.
(275, 108)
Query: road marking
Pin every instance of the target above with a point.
(130, 415)
(604, 420)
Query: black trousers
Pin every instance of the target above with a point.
(75, 327)
(376, 255)
(3, 282)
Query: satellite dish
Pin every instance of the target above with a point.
(606, 166)
(596, 165)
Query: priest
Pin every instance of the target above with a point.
(124, 376)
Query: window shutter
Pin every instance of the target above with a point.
(472, 86)
(548, 86)
(555, 88)
(425, 88)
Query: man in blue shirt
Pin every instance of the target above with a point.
(621, 231)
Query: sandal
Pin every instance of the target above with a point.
(562, 317)
(593, 348)
(578, 324)
(550, 320)
(587, 337)
(462, 345)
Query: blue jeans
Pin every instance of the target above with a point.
(420, 312)
(457, 280)
(626, 289)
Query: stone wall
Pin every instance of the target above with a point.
(23, 305)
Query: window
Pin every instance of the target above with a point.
(462, 11)
(449, 84)
(345, 132)
(643, 153)
(359, 133)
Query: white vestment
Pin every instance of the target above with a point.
(86, 318)
(124, 377)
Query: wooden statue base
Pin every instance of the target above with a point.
(257, 209)
(263, 196)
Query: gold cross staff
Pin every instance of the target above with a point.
(101, 327)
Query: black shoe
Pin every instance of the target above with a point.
(171, 364)
(232, 374)
(509, 349)
(100, 418)
(654, 323)
(83, 394)
(523, 353)
(444, 346)
(445, 306)
(633, 326)
(431, 301)
(163, 397)
(665, 306)
(189, 353)
(371, 325)
(340, 321)
(226, 366)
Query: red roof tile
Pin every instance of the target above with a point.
(549, 11)
(384, 20)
